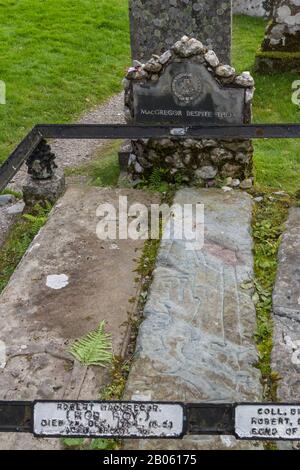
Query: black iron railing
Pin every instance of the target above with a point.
(93, 131)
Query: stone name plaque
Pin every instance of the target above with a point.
(187, 94)
(268, 422)
(98, 419)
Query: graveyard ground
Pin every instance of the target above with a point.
(54, 90)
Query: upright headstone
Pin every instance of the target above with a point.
(280, 49)
(187, 85)
(252, 7)
(157, 24)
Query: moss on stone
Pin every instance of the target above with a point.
(277, 62)
(282, 55)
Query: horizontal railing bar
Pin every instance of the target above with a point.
(16, 416)
(123, 131)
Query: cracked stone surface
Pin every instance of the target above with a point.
(196, 341)
(38, 322)
(286, 308)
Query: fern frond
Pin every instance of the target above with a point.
(94, 349)
(36, 222)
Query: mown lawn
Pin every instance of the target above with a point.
(58, 58)
(61, 57)
(277, 162)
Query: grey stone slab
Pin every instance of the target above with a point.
(39, 321)
(156, 25)
(196, 341)
(187, 93)
(286, 309)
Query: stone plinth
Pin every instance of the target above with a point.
(37, 191)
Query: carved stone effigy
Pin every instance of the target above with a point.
(188, 85)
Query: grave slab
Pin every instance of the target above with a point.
(196, 341)
(286, 309)
(66, 284)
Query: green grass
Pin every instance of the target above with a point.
(277, 162)
(268, 225)
(58, 58)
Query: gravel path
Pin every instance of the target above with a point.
(70, 153)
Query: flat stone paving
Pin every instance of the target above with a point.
(196, 342)
(38, 323)
(286, 309)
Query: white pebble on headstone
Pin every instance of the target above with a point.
(249, 95)
(165, 57)
(212, 59)
(225, 71)
(245, 79)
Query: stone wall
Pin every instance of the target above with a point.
(252, 7)
(190, 161)
(157, 24)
